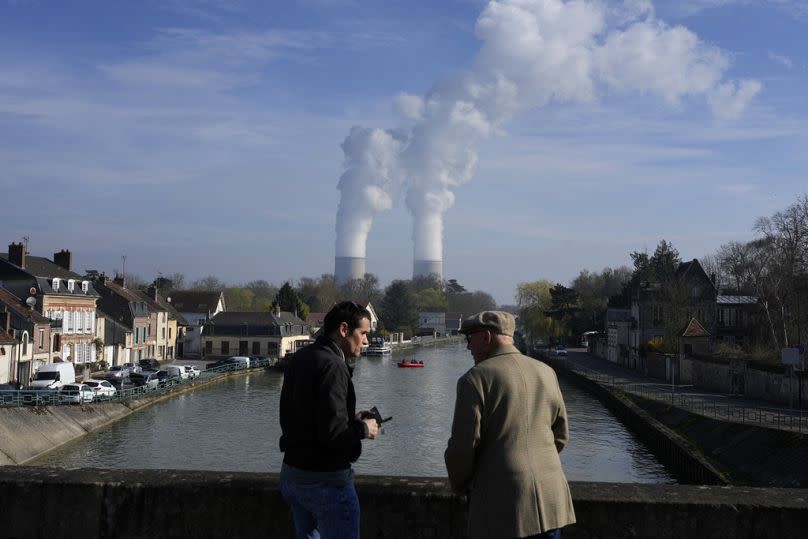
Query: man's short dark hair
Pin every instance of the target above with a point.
(346, 311)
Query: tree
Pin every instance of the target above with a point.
(397, 309)
(533, 299)
(469, 303)
(453, 287)
(238, 299)
(364, 289)
(288, 300)
(563, 302)
(210, 283)
(263, 293)
(430, 299)
(423, 282)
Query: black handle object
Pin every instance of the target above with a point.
(378, 416)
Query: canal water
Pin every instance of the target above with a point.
(233, 426)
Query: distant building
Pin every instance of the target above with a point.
(196, 308)
(60, 295)
(271, 334)
(31, 330)
(126, 311)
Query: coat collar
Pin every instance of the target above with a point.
(502, 350)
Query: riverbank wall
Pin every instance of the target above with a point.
(28, 432)
(43, 502)
(704, 450)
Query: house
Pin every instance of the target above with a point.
(126, 311)
(196, 308)
(272, 334)
(431, 323)
(58, 294)
(315, 321)
(619, 323)
(739, 320)
(374, 318)
(690, 293)
(453, 323)
(167, 323)
(9, 352)
(32, 330)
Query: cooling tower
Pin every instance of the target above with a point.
(424, 268)
(347, 268)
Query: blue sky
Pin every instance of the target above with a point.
(204, 136)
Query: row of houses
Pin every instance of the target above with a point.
(49, 313)
(706, 317)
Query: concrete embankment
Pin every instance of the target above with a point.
(44, 502)
(703, 450)
(27, 432)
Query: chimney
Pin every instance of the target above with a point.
(16, 254)
(64, 259)
(102, 279)
(278, 309)
(5, 321)
(152, 292)
(119, 280)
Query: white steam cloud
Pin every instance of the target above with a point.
(534, 52)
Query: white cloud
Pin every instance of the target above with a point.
(410, 106)
(737, 189)
(780, 59)
(729, 100)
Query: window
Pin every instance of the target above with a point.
(88, 321)
(69, 321)
(85, 286)
(41, 339)
(225, 347)
(208, 347)
(71, 284)
(256, 348)
(55, 285)
(24, 343)
(169, 333)
(137, 335)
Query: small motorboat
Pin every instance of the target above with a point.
(410, 363)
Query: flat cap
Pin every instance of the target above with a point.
(497, 321)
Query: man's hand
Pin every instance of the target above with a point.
(372, 427)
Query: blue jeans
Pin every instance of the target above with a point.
(549, 534)
(322, 510)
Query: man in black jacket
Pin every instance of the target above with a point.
(321, 431)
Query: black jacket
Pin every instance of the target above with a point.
(320, 431)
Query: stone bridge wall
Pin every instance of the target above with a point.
(46, 503)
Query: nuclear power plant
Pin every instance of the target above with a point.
(425, 268)
(347, 268)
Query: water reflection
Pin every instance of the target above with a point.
(233, 426)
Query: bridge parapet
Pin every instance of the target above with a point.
(48, 502)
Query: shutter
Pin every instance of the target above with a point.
(92, 353)
(64, 321)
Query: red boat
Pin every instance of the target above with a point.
(410, 364)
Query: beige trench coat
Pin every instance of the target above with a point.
(509, 425)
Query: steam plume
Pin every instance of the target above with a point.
(533, 52)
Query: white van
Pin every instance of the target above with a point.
(241, 362)
(53, 376)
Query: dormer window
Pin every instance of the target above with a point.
(85, 286)
(71, 284)
(55, 285)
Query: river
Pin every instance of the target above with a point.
(233, 425)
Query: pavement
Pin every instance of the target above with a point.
(725, 407)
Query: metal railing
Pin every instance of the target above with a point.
(681, 396)
(53, 397)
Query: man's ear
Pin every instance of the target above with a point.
(343, 329)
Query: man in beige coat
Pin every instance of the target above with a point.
(509, 425)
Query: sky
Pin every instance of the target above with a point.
(209, 137)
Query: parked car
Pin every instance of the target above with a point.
(192, 371)
(123, 383)
(145, 379)
(166, 378)
(241, 362)
(177, 371)
(133, 367)
(259, 361)
(149, 363)
(560, 351)
(102, 389)
(76, 393)
(227, 364)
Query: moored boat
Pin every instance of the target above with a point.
(410, 363)
(377, 347)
